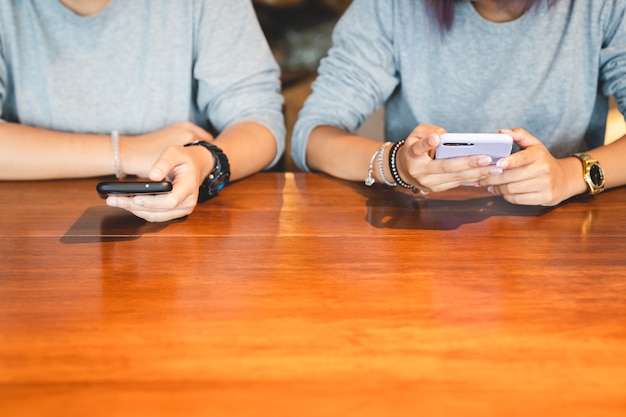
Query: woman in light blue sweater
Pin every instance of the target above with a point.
(101, 87)
(541, 70)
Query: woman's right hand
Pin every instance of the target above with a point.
(417, 166)
(186, 167)
(138, 153)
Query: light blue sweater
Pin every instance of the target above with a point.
(550, 72)
(137, 66)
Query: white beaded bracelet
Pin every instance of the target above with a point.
(381, 166)
(117, 164)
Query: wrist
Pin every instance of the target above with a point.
(573, 173)
(401, 167)
(395, 160)
(118, 169)
(128, 151)
(219, 173)
(591, 172)
(384, 169)
(204, 160)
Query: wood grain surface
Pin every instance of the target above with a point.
(301, 295)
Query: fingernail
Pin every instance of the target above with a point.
(433, 140)
(138, 201)
(485, 160)
(490, 189)
(502, 163)
(496, 171)
(111, 202)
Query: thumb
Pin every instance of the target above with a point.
(162, 166)
(423, 146)
(521, 137)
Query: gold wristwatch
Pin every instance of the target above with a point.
(592, 173)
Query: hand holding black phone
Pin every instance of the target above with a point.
(130, 188)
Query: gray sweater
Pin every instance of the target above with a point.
(137, 66)
(550, 72)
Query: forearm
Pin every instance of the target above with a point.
(30, 153)
(340, 154)
(249, 146)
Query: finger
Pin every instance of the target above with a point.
(162, 207)
(527, 192)
(417, 148)
(142, 202)
(154, 217)
(524, 199)
(521, 137)
(152, 207)
(167, 161)
(463, 163)
(522, 158)
(471, 176)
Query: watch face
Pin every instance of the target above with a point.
(219, 182)
(596, 174)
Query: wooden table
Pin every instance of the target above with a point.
(301, 295)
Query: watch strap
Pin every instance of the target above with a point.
(593, 175)
(220, 174)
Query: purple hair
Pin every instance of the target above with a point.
(443, 10)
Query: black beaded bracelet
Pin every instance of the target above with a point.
(394, 169)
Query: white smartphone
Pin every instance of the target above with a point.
(496, 145)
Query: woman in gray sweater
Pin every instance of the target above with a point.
(539, 70)
(101, 87)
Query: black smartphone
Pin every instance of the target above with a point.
(129, 188)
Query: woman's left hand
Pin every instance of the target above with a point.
(533, 176)
(185, 167)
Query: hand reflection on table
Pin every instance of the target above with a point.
(387, 208)
(108, 224)
(407, 212)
